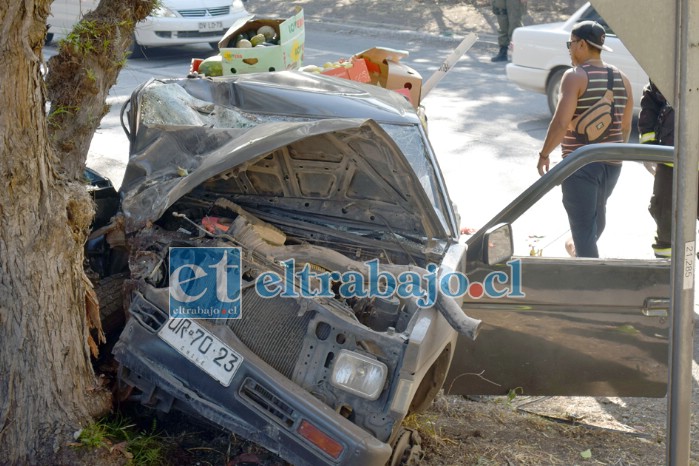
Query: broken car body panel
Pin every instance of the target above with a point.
(323, 171)
(213, 138)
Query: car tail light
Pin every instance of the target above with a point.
(320, 439)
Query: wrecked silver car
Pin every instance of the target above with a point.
(310, 180)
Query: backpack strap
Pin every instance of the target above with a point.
(609, 93)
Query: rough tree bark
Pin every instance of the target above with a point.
(48, 388)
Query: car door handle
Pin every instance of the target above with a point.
(656, 307)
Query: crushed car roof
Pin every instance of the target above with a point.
(291, 141)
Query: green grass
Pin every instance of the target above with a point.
(144, 446)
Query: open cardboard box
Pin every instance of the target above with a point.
(357, 71)
(288, 55)
(386, 71)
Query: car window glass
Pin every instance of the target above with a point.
(411, 143)
(543, 229)
(629, 234)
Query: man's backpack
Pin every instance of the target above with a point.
(594, 123)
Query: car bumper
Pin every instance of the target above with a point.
(259, 404)
(531, 79)
(157, 32)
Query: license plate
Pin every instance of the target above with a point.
(202, 348)
(208, 26)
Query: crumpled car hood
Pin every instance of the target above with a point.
(346, 172)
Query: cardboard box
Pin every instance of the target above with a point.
(386, 71)
(380, 54)
(400, 77)
(288, 55)
(357, 72)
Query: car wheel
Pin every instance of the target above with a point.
(48, 38)
(137, 50)
(213, 45)
(110, 294)
(553, 88)
(406, 449)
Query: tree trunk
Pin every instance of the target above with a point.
(48, 388)
(80, 76)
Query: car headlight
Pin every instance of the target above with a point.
(163, 12)
(359, 374)
(237, 5)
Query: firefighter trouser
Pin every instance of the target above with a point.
(509, 14)
(660, 209)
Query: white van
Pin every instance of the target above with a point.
(173, 22)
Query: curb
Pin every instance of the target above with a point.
(369, 28)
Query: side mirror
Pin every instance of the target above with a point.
(497, 244)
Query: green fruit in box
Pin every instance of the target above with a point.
(239, 37)
(267, 31)
(212, 66)
(243, 44)
(258, 39)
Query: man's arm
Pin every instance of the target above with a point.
(648, 117)
(573, 85)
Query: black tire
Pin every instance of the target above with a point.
(49, 38)
(407, 449)
(213, 45)
(110, 293)
(553, 88)
(137, 50)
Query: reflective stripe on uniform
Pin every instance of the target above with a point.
(664, 253)
(648, 137)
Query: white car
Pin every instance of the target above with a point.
(173, 22)
(540, 56)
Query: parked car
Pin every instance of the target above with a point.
(540, 56)
(173, 22)
(338, 175)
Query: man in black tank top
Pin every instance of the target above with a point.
(585, 193)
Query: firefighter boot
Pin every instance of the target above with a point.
(501, 56)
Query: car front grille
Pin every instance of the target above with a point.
(202, 12)
(268, 402)
(146, 313)
(272, 329)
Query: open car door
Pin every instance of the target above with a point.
(570, 326)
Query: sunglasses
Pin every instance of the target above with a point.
(571, 42)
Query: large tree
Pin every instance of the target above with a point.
(47, 386)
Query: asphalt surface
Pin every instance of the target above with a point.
(413, 19)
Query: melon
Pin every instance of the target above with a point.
(212, 66)
(268, 32)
